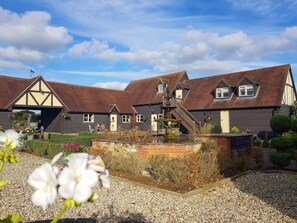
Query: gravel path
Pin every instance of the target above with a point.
(256, 197)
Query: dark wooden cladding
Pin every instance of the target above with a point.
(243, 142)
(147, 111)
(74, 122)
(204, 116)
(51, 119)
(5, 119)
(255, 120)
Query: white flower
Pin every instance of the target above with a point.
(44, 180)
(74, 156)
(10, 137)
(56, 158)
(97, 164)
(105, 179)
(76, 180)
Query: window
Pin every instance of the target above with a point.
(139, 118)
(160, 116)
(160, 88)
(125, 118)
(222, 92)
(246, 90)
(88, 118)
(179, 94)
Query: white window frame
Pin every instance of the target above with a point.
(140, 118)
(222, 90)
(180, 95)
(126, 118)
(160, 88)
(88, 118)
(245, 88)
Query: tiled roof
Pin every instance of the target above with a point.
(92, 99)
(271, 83)
(12, 87)
(145, 91)
(76, 98)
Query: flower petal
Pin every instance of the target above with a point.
(89, 177)
(39, 199)
(67, 190)
(82, 193)
(41, 176)
(105, 179)
(56, 158)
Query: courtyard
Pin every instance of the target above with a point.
(254, 197)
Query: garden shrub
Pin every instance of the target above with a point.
(43, 148)
(210, 129)
(177, 170)
(159, 167)
(93, 134)
(258, 155)
(280, 159)
(281, 144)
(208, 159)
(256, 141)
(133, 135)
(294, 124)
(292, 152)
(266, 142)
(83, 140)
(173, 170)
(235, 130)
(280, 124)
(126, 163)
(241, 159)
(74, 147)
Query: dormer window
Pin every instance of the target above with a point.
(246, 90)
(222, 92)
(160, 88)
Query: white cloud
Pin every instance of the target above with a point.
(111, 85)
(25, 55)
(31, 31)
(28, 38)
(11, 65)
(197, 51)
(290, 33)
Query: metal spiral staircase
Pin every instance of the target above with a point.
(186, 118)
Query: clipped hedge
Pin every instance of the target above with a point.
(294, 124)
(280, 159)
(282, 144)
(43, 148)
(280, 124)
(82, 140)
(88, 134)
(48, 149)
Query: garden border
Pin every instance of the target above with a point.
(205, 188)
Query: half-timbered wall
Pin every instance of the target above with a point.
(289, 95)
(38, 95)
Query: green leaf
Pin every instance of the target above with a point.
(13, 218)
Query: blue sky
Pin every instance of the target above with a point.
(109, 43)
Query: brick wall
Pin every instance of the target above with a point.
(145, 151)
(224, 141)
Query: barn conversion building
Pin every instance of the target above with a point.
(246, 99)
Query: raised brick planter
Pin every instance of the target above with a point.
(143, 150)
(229, 142)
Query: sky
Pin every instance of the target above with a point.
(108, 43)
